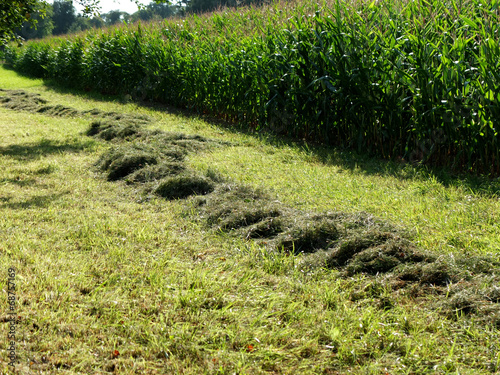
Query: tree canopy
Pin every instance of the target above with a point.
(28, 19)
(13, 14)
(64, 16)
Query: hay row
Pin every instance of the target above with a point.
(351, 243)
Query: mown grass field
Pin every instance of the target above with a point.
(112, 278)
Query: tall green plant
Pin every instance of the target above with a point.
(418, 80)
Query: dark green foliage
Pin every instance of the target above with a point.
(115, 63)
(64, 15)
(391, 79)
(67, 64)
(44, 25)
(12, 16)
(113, 17)
(34, 60)
(183, 186)
(154, 11)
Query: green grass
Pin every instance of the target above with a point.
(103, 266)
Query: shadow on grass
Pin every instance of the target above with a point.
(18, 181)
(39, 201)
(61, 89)
(369, 165)
(33, 151)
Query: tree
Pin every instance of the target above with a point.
(154, 11)
(13, 14)
(96, 22)
(114, 17)
(80, 24)
(64, 16)
(200, 6)
(161, 10)
(143, 15)
(44, 24)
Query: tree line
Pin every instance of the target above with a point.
(61, 16)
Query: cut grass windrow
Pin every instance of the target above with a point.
(352, 243)
(111, 277)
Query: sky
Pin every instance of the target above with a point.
(109, 5)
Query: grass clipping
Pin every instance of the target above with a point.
(357, 244)
(19, 100)
(350, 243)
(153, 158)
(25, 101)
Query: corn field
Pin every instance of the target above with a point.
(417, 80)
